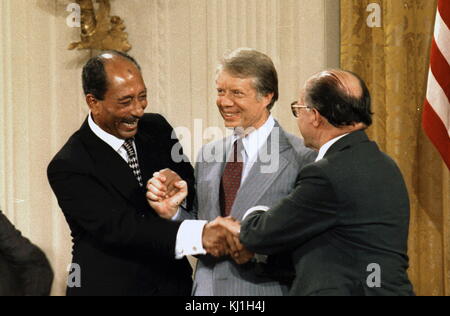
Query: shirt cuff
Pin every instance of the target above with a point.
(189, 239)
(256, 209)
(177, 216)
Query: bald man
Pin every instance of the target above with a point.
(120, 246)
(347, 221)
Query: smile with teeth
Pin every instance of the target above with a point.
(130, 123)
(230, 115)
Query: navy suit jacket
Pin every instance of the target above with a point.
(119, 242)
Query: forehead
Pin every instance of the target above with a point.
(122, 76)
(227, 80)
(121, 67)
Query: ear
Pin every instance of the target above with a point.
(316, 118)
(267, 99)
(360, 126)
(93, 103)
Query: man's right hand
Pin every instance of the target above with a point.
(221, 238)
(165, 203)
(217, 240)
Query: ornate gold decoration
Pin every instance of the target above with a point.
(99, 30)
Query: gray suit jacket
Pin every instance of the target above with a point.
(266, 184)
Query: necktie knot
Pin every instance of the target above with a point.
(128, 145)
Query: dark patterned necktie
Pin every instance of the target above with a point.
(132, 160)
(231, 180)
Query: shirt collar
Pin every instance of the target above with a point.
(111, 140)
(323, 150)
(255, 140)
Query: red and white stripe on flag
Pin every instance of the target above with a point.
(436, 116)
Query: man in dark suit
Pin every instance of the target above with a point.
(347, 221)
(121, 246)
(24, 268)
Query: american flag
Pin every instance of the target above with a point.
(436, 116)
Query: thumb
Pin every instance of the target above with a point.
(182, 185)
(179, 197)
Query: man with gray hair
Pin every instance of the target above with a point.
(257, 165)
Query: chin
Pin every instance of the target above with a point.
(128, 135)
(232, 124)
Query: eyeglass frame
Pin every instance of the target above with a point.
(295, 105)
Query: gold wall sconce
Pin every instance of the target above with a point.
(99, 30)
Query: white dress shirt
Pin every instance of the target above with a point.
(189, 237)
(252, 144)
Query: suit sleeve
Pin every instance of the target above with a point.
(307, 212)
(88, 206)
(34, 270)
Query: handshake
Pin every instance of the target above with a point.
(166, 191)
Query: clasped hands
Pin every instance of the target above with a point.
(166, 191)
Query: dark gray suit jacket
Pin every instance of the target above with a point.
(349, 210)
(24, 269)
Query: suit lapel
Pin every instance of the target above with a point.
(257, 182)
(110, 166)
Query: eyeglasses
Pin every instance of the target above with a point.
(295, 107)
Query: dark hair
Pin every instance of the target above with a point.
(94, 76)
(326, 94)
(249, 63)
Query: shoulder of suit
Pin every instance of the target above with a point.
(296, 142)
(73, 153)
(155, 122)
(304, 154)
(217, 147)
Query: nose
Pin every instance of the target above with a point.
(225, 101)
(138, 108)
